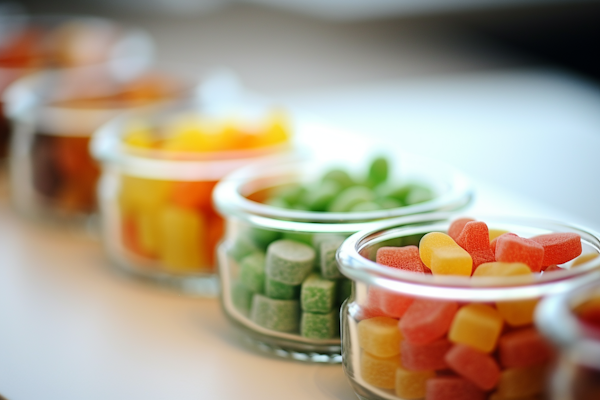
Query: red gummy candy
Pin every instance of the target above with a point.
(474, 365)
(452, 387)
(456, 227)
(424, 357)
(427, 320)
(523, 348)
(559, 247)
(517, 249)
(388, 303)
(493, 242)
(406, 258)
(475, 239)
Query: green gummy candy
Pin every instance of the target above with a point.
(242, 298)
(386, 203)
(317, 294)
(289, 261)
(329, 265)
(321, 195)
(320, 326)
(263, 237)
(252, 272)
(242, 247)
(291, 194)
(344, 290)
(378, 171)
(281, 291)
(419, 194)
(298, 237)
(277, 315)
(351, 197)
(339, 176)
(366, 206)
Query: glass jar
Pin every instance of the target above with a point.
(253, 228)
(576, 375)
(458, 320)
(54, 114)
(31, 43)
(157, 219)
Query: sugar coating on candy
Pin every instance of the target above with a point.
(451, 260)
(559, 247)
(456, 227)
(584, 259)
(522, 382)
(379, 336)
(474, 365)
(289, 261)
(427, 320)
(517, 249)
(494, 241)
(390, 303)
(475, 239)
(317, 294)
(406, 258)
(252, 272)
(424, 357)
(241, 297)
(432, 241)
(329, 265)
(523, 348)
(452, 387)
(477, 325)
(412, 384)
(379, 371)
(517, 312)
(281, 291)
(277, 315)
(319, 326)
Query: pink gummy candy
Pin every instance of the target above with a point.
(388, 303)
(559, 247)
(456, 227)
(452, 388)
(474, 365)
(523, 348)
(517, 249)
(475, 239)
(424, 357)
(493, 242)
(406, 258)
(427, 320)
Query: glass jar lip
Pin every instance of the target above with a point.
(355, 266)
(230, 201)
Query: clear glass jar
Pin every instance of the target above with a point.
(157, 219)
(504, 307)
(31, 43)
(576, 375)
(54, 114)
(253, 226)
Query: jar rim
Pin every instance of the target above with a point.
(355, 266)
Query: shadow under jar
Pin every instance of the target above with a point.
(410, 335)
(280, 285)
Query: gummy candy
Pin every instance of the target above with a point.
(517, 249)
(427, 320)
(474, 365)
(559, 247)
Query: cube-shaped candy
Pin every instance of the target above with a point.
(390, 303)
(474, 365)
(451, 260)
(517, 249)
(411, 384)
(502, 269)
(494, 241)
(522, 382)
(559, 247)
(320, 326)
(242, 298)
(379, 336)
(289, 262)
(329, 265)
(277, 315)
(427, 320)
(518, 312)
(379, 371)
(478, 326)
(424, 357)
(281, 291)
(406, 258)
(182, 231)
(317, 294)
(475, 239)
(523, 348)
(252, 272)
(452, 387)
(456, 227)
(432, 241)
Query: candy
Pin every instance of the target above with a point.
(424, 357)
(584, 259)
(517, 312)
(477, 325)
(522, 382)
(340, 177)
(559, 247)
(456, 227)
(181, 232)
(329, 265)
(452, 387)
(523, 348)
(289, 261)
(494, 241)
(252, 272)
(406, 258)
(281, 291)
(412, 384)
(350, 197)
(242, 297)
(494, 233)
(379, 336)
(475, 239)
(474, 365)
(389, 303)
(317, 294)
(277, 315)
(321, 195)
(319, 326)
(500, 269)
(443, 256)
(517, 249)
(427, 320)
(379, 371)
(378, 171)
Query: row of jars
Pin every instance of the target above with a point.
(294, 235)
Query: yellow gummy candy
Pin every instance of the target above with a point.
(494, 233)
(582, 259)
(141, 193)
(440, 253)
(502, 269)
(522, 382)
(182, 233)
(379, 371)
(519, 312)
(379, 336)
(476, 325)
(412, 384)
